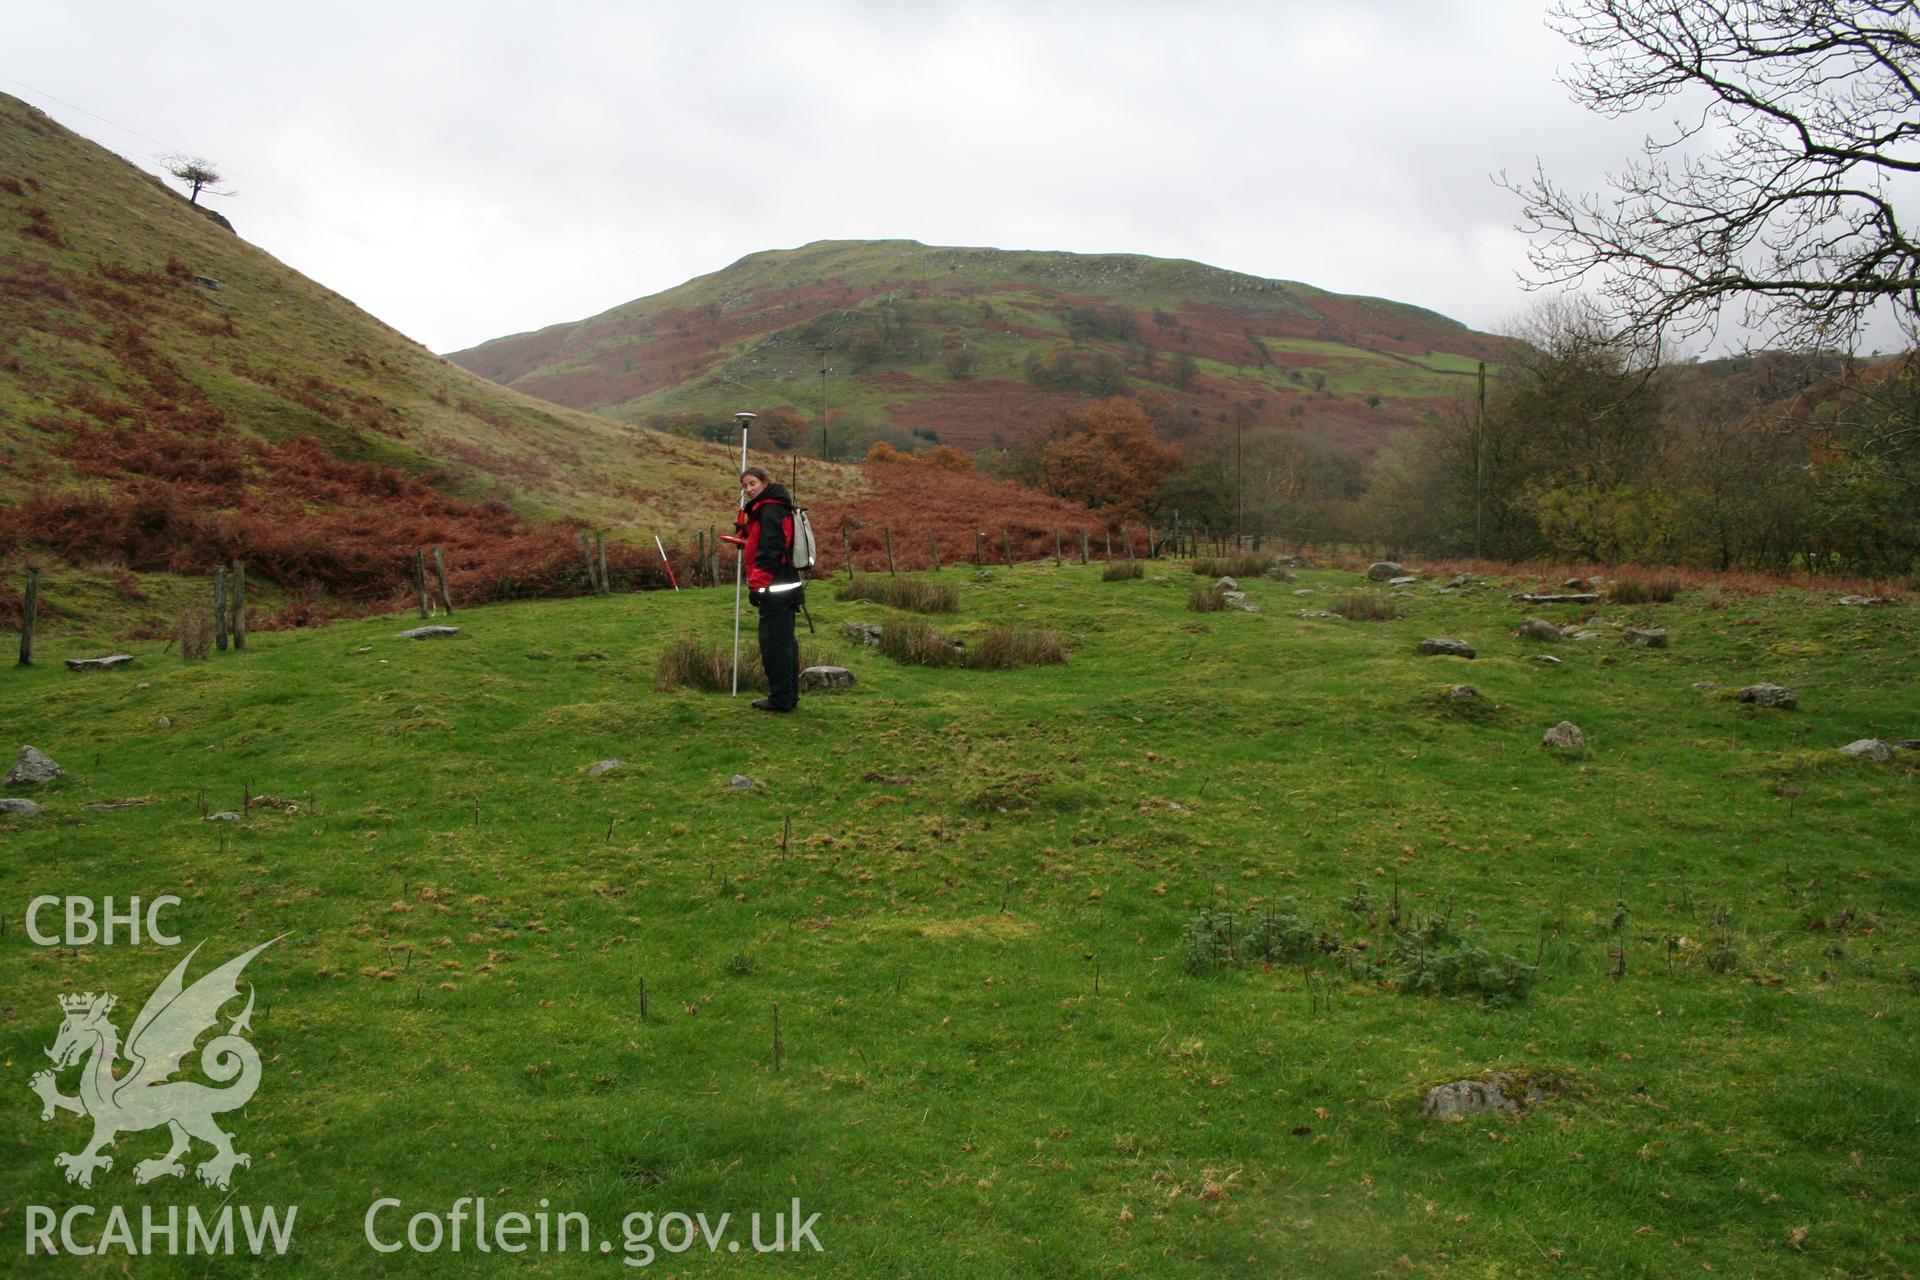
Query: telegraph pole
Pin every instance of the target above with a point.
(1480, 469)
(826, 454)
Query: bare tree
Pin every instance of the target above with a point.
(1776, 188)
(197, 172)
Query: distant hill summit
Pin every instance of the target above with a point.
(975, 347)
(171, 396)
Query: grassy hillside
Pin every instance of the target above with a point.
(170, 395)
(1140, 964)
(980, 345)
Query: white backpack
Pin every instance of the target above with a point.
(806, 551)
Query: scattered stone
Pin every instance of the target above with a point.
(427, 633)
(143, 685)
(1245, 607)
(603, 766)
(1463, 693)
(1907, 744)
(1579, 597)
(1769, 695)
(1706, 686)
(103, 806)
(1303, 591)
(1565, 736)
(1538, 629)
(99, 664)
(591, 655)
(32, 768)
(1645, 637)
(1587, 633)
(1227, 584)
(890, 780)
(740, 782)
(815, 678)
(1435, 645)
(1317, 613)
(225, 815)
(1384, 569)
(19, 808)
(1574, 584)
(1494, 1092)
(1868, 749)
(1863, 600)
(365, 648)
(983, 576)
(1404, 580)
(544, 655)
(1460, 580)
(1544, 659)
(165, 722)
(867, 633)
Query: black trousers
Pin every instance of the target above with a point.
(779, 648)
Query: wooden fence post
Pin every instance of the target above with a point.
(979, 558)
(29, 611)
(220, 608)
(699, 554)
(846, 548)
(1109, 542)
(933, 550)
(891, 573)
(1056, 548)
(606, 587)
(1126, 536)
(1006, 546)
(1083, 545)
(237, 597)
(420, 582)
(586, 549)
(440, 570)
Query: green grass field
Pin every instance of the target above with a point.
(1007, 1048)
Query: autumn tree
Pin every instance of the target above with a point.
(1106, 456)
(197, 172)
(944, 457)
(783, 428)
(1773, 190)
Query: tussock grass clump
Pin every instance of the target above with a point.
(194, 633)
(919, 644)
(1429, 957)
(1365, 606)
(1240, 564)
(688, 662)
(1206, 600)
(1002, 647)
(1122, 571)
(1219, 939)
(903, 593)
(1651, 588)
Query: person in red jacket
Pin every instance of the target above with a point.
(765, 529)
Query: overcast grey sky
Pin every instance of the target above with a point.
(465, 171)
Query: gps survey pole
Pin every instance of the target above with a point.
(739, 556)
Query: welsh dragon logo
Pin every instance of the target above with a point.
(143, 1096)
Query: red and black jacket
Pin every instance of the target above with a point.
(767, 526)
